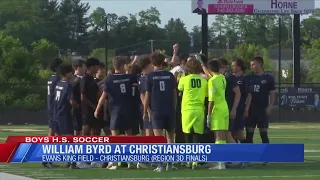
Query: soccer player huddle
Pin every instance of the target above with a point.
(198, 101)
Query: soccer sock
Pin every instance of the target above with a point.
(264, 137)
(221, 142)
(249, 137)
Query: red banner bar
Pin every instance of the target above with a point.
(7, 150)
(87, 139)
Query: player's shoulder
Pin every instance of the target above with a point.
(268, 76)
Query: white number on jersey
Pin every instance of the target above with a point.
(162, 86)
(49, 91)
(58, 95)
(123, 88)
(256, 88)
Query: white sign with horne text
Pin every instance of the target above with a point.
(253, 6)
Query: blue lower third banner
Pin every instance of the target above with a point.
(159, 153)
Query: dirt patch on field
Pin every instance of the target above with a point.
(22, 130)
(295, 127)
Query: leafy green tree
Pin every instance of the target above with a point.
(44, 51)
(248, 51)
(313, 54)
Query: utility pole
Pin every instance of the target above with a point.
(151, 45)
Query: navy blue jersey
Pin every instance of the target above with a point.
(143, 84)
(259, 86)
(63, 96)
(122, 90)
(162, 84)
(231, 84)
(89, 88)
(242, 86)
(53, 80)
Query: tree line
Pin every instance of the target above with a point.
(34, 31)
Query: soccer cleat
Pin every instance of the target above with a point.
(159, 169)
(194, 165)
(104, 165)
(45, 164)
(109, 165)
(246, 164)
(188, 165)
(219, 166)
(171, 167)
(83, 165)
(73, 166)
(142, 166)
(96, 164)
(53, 165)
(130, 165)
(154, 165)
(113, 167)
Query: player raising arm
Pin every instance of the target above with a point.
(194, 88)
(218, 112)
(261, 97)
(161, 95)
(119, 89)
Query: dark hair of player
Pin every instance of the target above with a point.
(214, 65)
(193, 66)
(239, 62)
(144, 61)
(157, 59)
(135, 69)
(223, 61)
(258, 59)
(55, 62)
(64, 69)
(101, 66)
(118, 62)
(79, 63)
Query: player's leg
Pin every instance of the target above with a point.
(158, 127)
(230, 138)
(220, 126)
(86, 125)
(77, 119)
(251, 125)
(197, 117)
(263, 125)
(170, 125)
(50, 123)
(237, 131)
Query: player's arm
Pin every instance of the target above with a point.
(84, 99)
(102, 99)
(272, 96)
(249, 97)
(237, 96)
(146, 104)
(210, 97)
(71, 97)
(175, 53)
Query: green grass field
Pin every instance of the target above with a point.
(307, 133)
